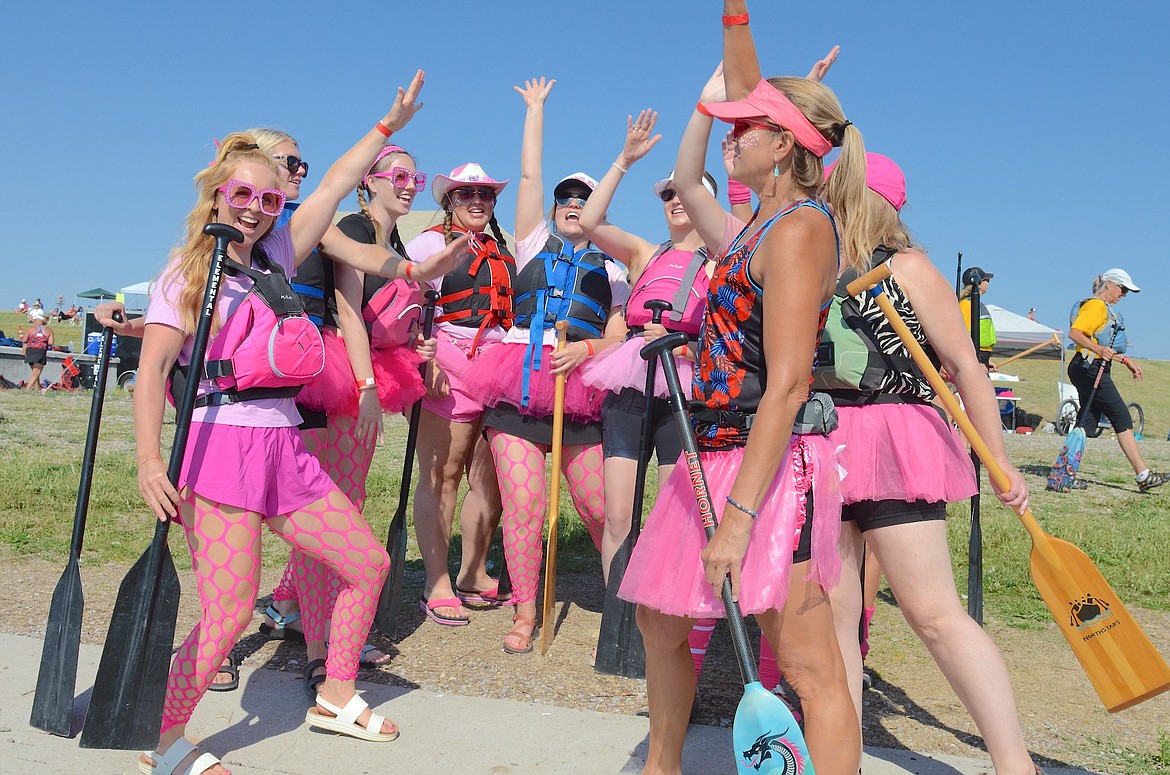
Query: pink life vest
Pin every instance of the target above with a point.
(676, 276)
(268, 347)
(391, 314)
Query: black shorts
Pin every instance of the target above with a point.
(36, 355)
(869, 515)
(506, 418)
(803, 551)
(1107, 401)
(621, 427)
(311, 419)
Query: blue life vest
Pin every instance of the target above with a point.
(1114, 330)
(561, 283)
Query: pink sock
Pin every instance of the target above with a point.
(699, 639)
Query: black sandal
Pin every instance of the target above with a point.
(282, 630)
(230, 667)
(312, 681)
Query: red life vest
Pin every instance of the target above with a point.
(478, 292)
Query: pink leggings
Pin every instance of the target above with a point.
(347, 462)
(225, 557)
(520, 468)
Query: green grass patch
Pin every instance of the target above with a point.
(64, 334)
(42, 438)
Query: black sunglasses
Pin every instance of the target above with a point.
(667, 194)
(293, 163)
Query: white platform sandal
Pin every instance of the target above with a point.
(167, 764)
(344, 720)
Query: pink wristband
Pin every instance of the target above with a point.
(738, 193)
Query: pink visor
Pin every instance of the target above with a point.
(766, 101)
(883, 176)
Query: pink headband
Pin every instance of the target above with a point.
(766, 101)
(389, 149)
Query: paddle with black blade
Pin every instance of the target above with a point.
(619, 642)
(1064, 471)
(125, 711)
(1116, 655)
(52, 708)
(767, 738)
(390, 601)
(973, 277)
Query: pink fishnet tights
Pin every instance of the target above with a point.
(520, 468)
(346, 460)
(225, 557)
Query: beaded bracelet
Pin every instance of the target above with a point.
(753, 514)
(383, 129)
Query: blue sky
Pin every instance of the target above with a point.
(1031, 133)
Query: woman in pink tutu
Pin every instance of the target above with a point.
(904, 463)
(677, 271)
(562, 276)
(775, 489)
(474, 310)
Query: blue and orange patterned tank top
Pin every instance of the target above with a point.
(730, 373)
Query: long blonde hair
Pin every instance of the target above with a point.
(384, 164)
(192, 261)
(845, 189)
(877, 223)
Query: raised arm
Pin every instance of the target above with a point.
(311, 220)
(530, 191)
(707, 216)
(629, 249)
(742, 66)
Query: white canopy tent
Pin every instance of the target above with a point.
(134, 296)
(1015, 334)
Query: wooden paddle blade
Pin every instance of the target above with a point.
(766, 737)
(550, 586)
(125, 711)
(1116, 655)
(52, 708)
(620, 650)
(1068, 462)
(390, 600)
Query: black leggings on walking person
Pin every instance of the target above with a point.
(1107, 401)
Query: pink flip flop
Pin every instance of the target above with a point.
(428, 608)
(489, 596)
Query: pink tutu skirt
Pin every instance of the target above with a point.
(902, 452)
(334, 390)
(500, 379)
(461, 403)
(666, 570)
(622, 367)
(265, 470)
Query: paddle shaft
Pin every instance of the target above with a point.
(662, 347)
(52, 708)
(975, 537)
(390, 600)
(1096, 383)
(1055, 340)
(657, 308)
(554, 498)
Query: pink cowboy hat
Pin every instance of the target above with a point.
(468, 174)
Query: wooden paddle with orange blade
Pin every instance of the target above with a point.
(1116, 655)
(548, 628)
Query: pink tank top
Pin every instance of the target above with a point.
(661, 280)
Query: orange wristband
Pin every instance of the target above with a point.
(732, 21)
(409, 268)
(383, 129)
(589, 347)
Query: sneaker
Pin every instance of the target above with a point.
(1079, 484)
(1155, 479)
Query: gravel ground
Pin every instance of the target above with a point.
(910, 706)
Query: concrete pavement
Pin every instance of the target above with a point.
(259, 730)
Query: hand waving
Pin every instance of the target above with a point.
(405, 104)
(638, 138)
(535, 92)
(821, 67)
(714, 90)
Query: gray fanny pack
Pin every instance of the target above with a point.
(816, 416)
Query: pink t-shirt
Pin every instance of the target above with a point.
(529, 247)
(261, 413)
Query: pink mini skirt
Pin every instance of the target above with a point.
(622, 367)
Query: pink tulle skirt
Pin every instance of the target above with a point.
(334, 390)
(666, 570)
(622, 367)
(901, 452)
(500, 379)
